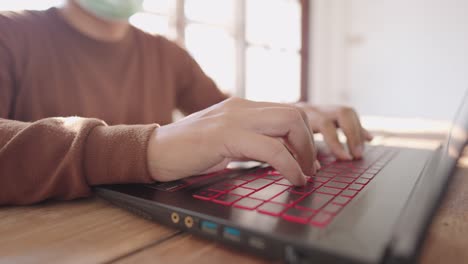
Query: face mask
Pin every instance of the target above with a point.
(112, 9)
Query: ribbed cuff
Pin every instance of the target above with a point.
(118, 154)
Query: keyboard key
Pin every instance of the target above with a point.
(349, 193)
(271, 208)
(248, 203)
(343, 179)
(350, 175)
(247, 177)
(241, 191)
(367, 176)
(257, 184)
(333, 170)
(321, 219)
(328, 190)
(357, 170)
(356, 186)
(205, 194)
(268, 192)
(273, 177)
(337, 185)
(314, 201)
(319, 179)
(325, 174)
(364, 163)
(284, 182)
(362, 181)
(332, 208)
(343, 165)
(373, 171)
(287, 197)
(235, 182)
(297, 215)
(226, 198)
(221, 187)
(341, 200)
(309, 187)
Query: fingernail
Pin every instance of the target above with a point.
(304, 181)
(313, 170)
(359, 150)
(317, 165)
(348, 156)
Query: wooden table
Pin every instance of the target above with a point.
(93, 231)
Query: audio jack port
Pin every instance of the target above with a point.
(188, 221)
(175, 217)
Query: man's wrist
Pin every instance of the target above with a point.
(118, 154)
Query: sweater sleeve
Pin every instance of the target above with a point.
(61, 158)
(195, 90)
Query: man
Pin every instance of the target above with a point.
(86, 63)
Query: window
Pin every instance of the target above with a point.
(251, 48)
(273, 35)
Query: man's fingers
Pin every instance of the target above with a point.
(367, 135)
(352, 129)
(329, 132)
(263, 148)
(280, 105)
(287, 123)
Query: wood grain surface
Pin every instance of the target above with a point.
(81, 231)
(447, 240)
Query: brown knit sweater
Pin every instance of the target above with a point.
(76, 112)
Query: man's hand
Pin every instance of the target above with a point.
(235, 129)
(327, 120)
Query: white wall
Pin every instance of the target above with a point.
(404, 58)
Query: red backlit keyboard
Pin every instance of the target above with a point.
(316, 203)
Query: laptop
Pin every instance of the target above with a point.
(373, 210)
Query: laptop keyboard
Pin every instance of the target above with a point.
(317, 203)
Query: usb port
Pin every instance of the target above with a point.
(232, 234)
(257, 243)
(209, 227)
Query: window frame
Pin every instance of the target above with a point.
(178, 23)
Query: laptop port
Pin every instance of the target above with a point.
(257, 242)
(188, 221)
(232, 234)
(175, 218)
(209, 227)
